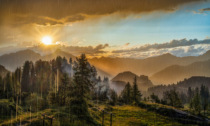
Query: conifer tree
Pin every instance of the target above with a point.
(126, 94)
(196, 102)
(25, 81)
(81, 89)
(204, 93)
(136, 93)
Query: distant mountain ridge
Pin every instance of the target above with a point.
(157, 68)
(148, 66)
(13, 60)
(175, 73)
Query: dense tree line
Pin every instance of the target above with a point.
(130, 94)
(197, 98)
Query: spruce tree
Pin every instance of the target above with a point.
(25, 81)
(81, 90)
(204, 93)
(126, 94)
(136, 93)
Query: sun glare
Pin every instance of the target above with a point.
(47, 40)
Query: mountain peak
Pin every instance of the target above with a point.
(168, 54)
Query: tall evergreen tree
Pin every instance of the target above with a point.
(63, 88)
(25, 81)
(196, 102)
(81, 89)
(126, 94)
(172, 98)
(136, 93)
(204, 93)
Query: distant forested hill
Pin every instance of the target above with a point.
(122, 78)
(182, 86)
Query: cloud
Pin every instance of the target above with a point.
(89, 50)
(178, 48)
(172, 44)
(204, 9)
(201, 11)
(62, 11)
(127, 44)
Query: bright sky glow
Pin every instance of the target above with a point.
(47, 40)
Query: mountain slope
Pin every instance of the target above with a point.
(3, 71)
(175, 73)
(13, 60)
(58, 52)
(122, 78)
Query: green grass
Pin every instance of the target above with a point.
(136, 116)
(122, 116)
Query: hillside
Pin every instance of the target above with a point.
(175, 73)
(122, 78)
(3, 71)
(13, 60)
(182, 86)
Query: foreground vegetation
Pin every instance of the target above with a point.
(121, 115)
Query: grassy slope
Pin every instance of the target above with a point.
(136, 116)
(122, 116)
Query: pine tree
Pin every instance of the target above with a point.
(136, 93)
(204, 93)
(81, 89)
(196, 102)
(25, 81)
(126, 94)
(155, 98)
(113, 97)
(171, 98)
(190, 94)
(63, 88)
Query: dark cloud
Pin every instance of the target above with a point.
(172, 44)
(61, 11)
(90, 50)
(204, 9)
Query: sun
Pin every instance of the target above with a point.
(47, 40)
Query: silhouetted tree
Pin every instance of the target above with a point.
(113, 97)
(81, 89)
(126, 96)
(195, 103)
(136, 93)
(155, 98)
(172, 98)
(204, 93)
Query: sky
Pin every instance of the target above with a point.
(115, 28)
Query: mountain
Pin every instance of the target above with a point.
(143, 81)
(148, 66)
(3, 71)
(13, 60)
(58, 52)
(182, 86)
(175, 73)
